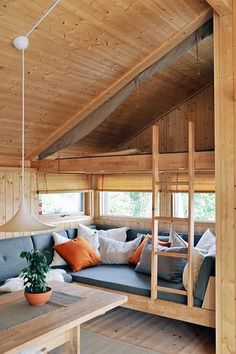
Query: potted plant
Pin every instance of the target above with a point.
(35, 282)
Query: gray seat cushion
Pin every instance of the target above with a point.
(10, 261)
(124, 278)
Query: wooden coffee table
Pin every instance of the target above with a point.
(58, 327)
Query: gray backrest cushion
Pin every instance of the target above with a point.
(169, 268)
(72, 233)
(45, 243)
(10, 261)
(207, 269)
(184, 236)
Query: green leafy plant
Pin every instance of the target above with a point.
(34, 275)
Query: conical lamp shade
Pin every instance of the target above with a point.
(23, 221)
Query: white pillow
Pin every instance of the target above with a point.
(93, 241)
(207, 242)
(197, 259)
(176, 240)
(15, 284)
(118, 234)
(84, 230)
(57, 259)
(117, 252)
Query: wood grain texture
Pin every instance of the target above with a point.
(10, 191)
(56, 323)
(153, 332)
(221, 7)
(82, 49)
(173, 126)
(225, 115)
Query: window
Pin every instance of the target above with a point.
(204, 206)
(126, 204)
(61, 204)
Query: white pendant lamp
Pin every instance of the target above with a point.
(23, 221)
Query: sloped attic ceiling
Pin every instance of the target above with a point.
(81, 50)
(151, 100)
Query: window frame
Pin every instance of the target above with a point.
(63, 216)
(130, 217)
(173, 194)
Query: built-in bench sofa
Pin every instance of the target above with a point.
(115, 277)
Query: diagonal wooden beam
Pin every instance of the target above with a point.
(123, 81)
(221, 7)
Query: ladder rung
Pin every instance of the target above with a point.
(172, 220)
(174, 183)
(171, 290)
(171, 254)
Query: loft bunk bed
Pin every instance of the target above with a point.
(189, 164)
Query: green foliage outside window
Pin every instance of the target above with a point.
(127, 203)
(204, 206)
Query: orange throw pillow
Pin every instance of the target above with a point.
(137, 254)
(78, 254)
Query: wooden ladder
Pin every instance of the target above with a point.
(156, 183)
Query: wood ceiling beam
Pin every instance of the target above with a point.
(126, 164)
(221, 7)
(10, 162)
(123, 81)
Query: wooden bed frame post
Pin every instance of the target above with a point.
(225, 154)
(155, 188)
(190, 210)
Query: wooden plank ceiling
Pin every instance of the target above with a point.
(82, 48)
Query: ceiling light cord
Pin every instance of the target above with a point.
(47, 12)
(23, 127)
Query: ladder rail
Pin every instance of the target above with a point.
(155, 177)
(172, 220)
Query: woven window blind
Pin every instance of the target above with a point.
(62, 183)
(202, 182)
(125, 182)
(143, 183)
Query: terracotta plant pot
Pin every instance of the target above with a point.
(38, 299)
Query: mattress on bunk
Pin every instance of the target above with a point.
(124, 278)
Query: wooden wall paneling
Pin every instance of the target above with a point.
(225, 133)
(209, 119)
(173, 126)
(2, 201)
(9, 198)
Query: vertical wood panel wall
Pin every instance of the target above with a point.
(225, 133)
(174, 126)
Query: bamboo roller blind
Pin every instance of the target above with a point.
(59, 183)
(143, 183)
(125, 182)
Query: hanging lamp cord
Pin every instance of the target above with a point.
(46, 13)
(23, 126)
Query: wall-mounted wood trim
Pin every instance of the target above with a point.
(127, 164)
